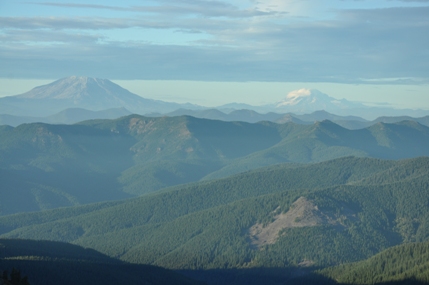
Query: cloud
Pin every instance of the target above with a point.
(76, 5)
(396, 16)
(179, 8)
(116, 61)
(227, 43)
(56, 23)
(418, 1)
(16, 35)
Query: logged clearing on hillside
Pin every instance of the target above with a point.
(302, 213)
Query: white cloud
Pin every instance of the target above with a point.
(215, 40)
(292, 7)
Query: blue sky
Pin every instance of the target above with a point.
(219, 51)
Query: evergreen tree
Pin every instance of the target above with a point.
(15, 276)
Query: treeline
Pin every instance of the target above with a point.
(404, 262)
(52, 263)
(14, 279)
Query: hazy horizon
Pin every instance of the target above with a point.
(252, 93)
(216, 52)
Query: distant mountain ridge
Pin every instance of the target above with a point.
(304, 100)
(81, 92)
(67, 116)
(250, 116)
(96, 94)
(135, 155)
(75, 115)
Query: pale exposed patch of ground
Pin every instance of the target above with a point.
(302, 213)
(140, 126)
(306, 263)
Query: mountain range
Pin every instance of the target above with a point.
(76, 115)
(94, 94)
(250, 116)
(304, 101)
(94, 194)
(134, 155)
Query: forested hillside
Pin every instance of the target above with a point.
(99, 160)
(46, 263)
(404, 262)
(284, 216)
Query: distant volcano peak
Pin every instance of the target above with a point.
(74, 77)
(84, 80)
(73, 87)
(304, 100)
(304, 96)
(84, 92)
(303, 92)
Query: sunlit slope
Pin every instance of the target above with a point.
(47, 262)
(322, 214)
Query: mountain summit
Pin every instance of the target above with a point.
(93, 94)
(80, 89)
(305, 100)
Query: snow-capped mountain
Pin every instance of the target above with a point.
(307, 100)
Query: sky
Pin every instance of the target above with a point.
(216, 52)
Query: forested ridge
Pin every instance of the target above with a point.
(46, 262)
(217, 201)
(352, 209)
(135, 155)
(403, 262)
